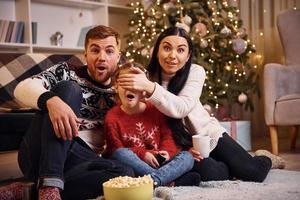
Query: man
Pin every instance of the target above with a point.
(59, 151)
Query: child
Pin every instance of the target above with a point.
(137, 135)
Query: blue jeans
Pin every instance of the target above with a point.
(180, 164)
(69, 165)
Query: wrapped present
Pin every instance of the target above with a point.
(239, 131)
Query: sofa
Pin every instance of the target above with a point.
(14, 117)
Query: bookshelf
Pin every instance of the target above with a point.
(65, 16)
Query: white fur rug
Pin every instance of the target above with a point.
(279, 185)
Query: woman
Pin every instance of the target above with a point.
(175, 90)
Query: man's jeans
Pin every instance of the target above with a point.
(69, 165)
(180, 164)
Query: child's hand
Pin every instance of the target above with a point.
(196, 154)
(165, 154)
(151, 160)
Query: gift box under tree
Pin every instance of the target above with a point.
(240, 131)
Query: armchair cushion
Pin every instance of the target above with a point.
(281, 85)
(287, 109)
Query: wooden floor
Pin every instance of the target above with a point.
(9, 168)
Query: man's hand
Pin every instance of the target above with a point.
(63, 118)
(196, 154)
(151, 160)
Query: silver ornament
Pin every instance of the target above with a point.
(239, 45)
(187, 20)
(225, 31)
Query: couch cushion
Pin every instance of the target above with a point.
(16, 67)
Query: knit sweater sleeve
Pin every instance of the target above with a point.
(167, 142)
(29, 90)
(179, 106)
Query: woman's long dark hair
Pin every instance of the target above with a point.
(181, 135)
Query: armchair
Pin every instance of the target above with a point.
(282, 82)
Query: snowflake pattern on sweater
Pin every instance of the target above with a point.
(143, 132)
(143, 136)
(97, 99)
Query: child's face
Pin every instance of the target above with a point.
(129, 99)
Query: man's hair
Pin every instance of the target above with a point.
(101, 32)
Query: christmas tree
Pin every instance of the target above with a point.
(221, 44)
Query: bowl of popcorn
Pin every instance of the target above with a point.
(128, 188)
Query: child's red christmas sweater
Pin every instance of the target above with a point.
(146, 131)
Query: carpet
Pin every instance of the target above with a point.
(279, 185)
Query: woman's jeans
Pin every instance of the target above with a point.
(69, 165)
(229, 160)
(180, 164)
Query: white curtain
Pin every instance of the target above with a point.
(259, 18)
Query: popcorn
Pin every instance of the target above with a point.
(126, 181)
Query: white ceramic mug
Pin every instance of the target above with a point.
(201, 143)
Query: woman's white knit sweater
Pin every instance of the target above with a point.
(186, 105)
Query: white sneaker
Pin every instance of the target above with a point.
(277, 161)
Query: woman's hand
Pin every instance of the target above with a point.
(196, 154)
(137, 81)
(151, 160)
